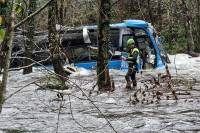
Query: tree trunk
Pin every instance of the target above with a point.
(62, 12)
(53, 42)
(7, 46)
(29, 44)
(104, 14)
(8, 55)
(159, 17)
(150, 12)
(198, 26)
(188, 27)
(170, 24)
(4, 12)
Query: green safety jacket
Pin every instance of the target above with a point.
(133, 56)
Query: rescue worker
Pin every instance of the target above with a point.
(133, 60)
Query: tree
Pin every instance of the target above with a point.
(198, 24)
(170, 23)
(54, 42)
(7, 49)
(7, 45)
(150, 11)
(4, 13)
(159, 16)
(62, 12)
(104, 15)
(188, 26)
(29, 44)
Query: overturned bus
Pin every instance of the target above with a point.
(81, 45)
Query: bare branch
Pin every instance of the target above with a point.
(18, 90)
(33, 14)
(39, 63)
(96, 107)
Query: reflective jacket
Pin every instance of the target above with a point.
(133, 57)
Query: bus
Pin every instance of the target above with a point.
(80, 43)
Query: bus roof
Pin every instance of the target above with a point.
(128, 23)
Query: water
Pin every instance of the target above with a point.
(37, 111)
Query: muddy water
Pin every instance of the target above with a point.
(39, 111)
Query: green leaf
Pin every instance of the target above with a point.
(18, 8)
(1, 19)
(2, 34)
(3, 1)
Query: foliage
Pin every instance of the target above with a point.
(4, 11)
(49, 83)
(171, 12)
(178, 41)
(18, 8)
(1, 19)
(53, 87)
(77, 13)
(2, 34)
(3, 1)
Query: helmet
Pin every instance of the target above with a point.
(130, 41)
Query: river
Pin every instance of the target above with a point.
(170, 105)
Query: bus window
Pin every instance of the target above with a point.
(147, 51)
(162, 51)
(140, 32)
(125, 38)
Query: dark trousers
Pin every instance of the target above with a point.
(131, 74)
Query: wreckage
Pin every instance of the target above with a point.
(80, 44)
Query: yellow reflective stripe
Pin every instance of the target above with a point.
(134, 50)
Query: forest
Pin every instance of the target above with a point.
(35, 97)
(177, 21)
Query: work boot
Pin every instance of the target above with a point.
(128, 85)
(134, 83)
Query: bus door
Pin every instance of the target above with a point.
(145, 46)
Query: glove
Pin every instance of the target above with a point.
(123, 58)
